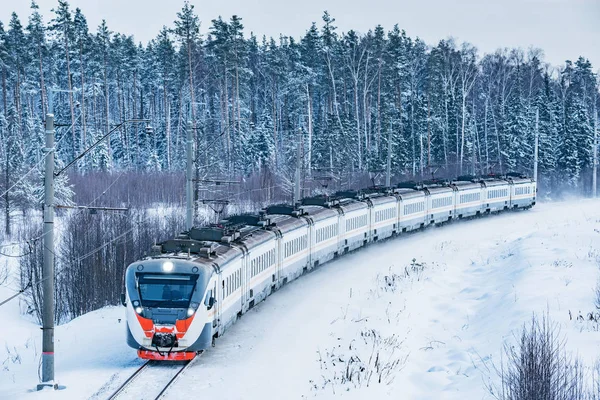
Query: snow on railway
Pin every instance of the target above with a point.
(437, 304)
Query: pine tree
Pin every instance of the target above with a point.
(249, 96)
(4, 65)
(164, 56)
(62, 26)
(13, 166)
(82, 41)
(18, 58)
(38, 46)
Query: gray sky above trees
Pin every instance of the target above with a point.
(564, 29)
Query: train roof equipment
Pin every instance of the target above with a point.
(283, 209)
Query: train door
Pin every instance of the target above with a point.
(400, 212)
(244, 282)
(219, 297)
(278, 259)
(309, 240)
(238, 286)
(511, 193)
(343, 237)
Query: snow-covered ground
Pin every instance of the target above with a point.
(427, 314)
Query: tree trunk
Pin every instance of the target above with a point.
(4, 89)
(18, 99)
(167, 122)
(274, 117)
(42, 85)
(82, 106)
(357, 118)
(379, 107)
(485, 134)
(6, 200)
(462, 137)
(335, 102)
(428, 131)
(497, 140)
(310, 130)
(107, 110)
(412, 131)
(71, 105)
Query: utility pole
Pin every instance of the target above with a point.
(189, 179)
(298, 167)
(388, 172)
(48, 269)
(537, 139)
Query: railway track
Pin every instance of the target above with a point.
(151, 380)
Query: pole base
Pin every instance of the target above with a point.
(44, 385)
(51, 385)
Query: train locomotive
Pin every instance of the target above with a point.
(192, 288)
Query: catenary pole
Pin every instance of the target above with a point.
(48, 268)
(298, 167)
(189, 179)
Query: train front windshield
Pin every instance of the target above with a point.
(168, 291)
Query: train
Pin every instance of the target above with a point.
(190, 289)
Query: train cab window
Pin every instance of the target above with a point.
(207, 299)
(172, 291)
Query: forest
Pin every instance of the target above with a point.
(333, 103)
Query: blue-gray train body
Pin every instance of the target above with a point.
(191, 289)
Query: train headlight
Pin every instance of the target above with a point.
(167, 266)
(139, 310)
(192, 309)
(135, 303)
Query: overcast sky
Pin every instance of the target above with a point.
(564, 29)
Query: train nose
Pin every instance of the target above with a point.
(163, 339)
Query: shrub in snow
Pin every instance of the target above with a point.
(391, 281)
(371, 358)
(12, 357)
(538, 366)
(597, 295)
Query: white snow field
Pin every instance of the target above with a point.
(432, 328)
